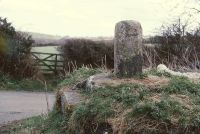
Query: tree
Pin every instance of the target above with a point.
(15, 50)
(2, 46)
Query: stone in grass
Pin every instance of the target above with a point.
(103, 80)
(69, 98)
(128, 48)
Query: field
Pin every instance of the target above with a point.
(46, 49)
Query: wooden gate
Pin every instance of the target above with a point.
(49, 62)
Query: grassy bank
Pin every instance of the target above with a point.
(8, 83)
(127, 108)
(54, 123)
(135, 108)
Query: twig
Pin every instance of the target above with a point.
(198, 11)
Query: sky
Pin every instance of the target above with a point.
(88, 18)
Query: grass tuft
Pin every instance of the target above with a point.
(182, 85)
(78, 76)
(160, 74)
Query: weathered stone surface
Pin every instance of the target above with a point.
(128, 48)
(106, 80)
(191, 75)
(100, 80)
(69, 99)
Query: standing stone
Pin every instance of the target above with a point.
(128, 48)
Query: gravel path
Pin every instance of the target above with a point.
(20, 105)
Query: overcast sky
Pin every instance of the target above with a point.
(86, 17)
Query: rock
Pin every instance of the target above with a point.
(128, 48)
(162, 68)
(100, 80)
(106, 80)
(69, 99)
(191, 75)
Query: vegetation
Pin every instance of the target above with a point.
(78, 75)
(18, 70)
(54, 123)
(127, 108)
(15, 49)
(135, 105)
(177, 46)
(9, 83)
(45, 49)
(79, 52)
(156, 73)
(174, 107)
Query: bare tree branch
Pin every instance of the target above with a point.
(198, 11)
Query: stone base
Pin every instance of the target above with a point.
(105, 79)
(69, 98)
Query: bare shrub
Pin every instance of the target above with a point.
(177, 47)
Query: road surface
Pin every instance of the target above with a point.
(20, 105)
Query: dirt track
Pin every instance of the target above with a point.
(20, 105)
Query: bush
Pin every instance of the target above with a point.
(79, 52)
(175, 47)
(15, 58)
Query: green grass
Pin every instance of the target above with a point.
(111, 103)
(54, 123)
(78, 76)
(156, 73)
(8, 83)
(161, 111)
(137, 108)
(182, 85)
(46, 49)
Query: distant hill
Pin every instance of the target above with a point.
(46, 39)
(50, 40)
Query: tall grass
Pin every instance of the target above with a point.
(187, 59)
(178, 46)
